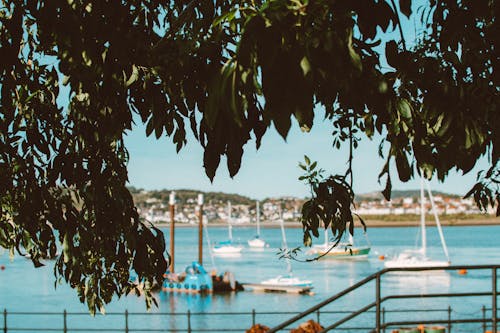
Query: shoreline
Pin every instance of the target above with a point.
(370, 223)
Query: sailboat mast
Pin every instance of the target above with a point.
(283, 237)
(438, 224)
(230, 230)
(282, 225)
(258, 219)
(422, 216)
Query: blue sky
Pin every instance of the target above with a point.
(272, 170)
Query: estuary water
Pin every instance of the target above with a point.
(26, 289)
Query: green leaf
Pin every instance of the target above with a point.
(305, 65)
(307, 160)
(404, 108)
(404, 169)
(133, 77)
(388, 188)
(391, 53)
(405, 7)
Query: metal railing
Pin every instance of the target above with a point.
(347, 319)
(379, 326)
(63, 321)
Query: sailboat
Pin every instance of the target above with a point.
(257, 242)
(418, 258)
(287, 280)
(228, 248)
(343, 250)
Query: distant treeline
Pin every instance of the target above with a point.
(182, 196)
(429, 217)
(398, 194)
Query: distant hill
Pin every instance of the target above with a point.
(183, 195)
(397, 194)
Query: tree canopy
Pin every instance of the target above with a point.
(227, 70)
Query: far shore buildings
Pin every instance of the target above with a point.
(157, 211)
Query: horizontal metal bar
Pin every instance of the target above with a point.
(443, 321)
(435, 295)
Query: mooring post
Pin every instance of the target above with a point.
(253, 317)
(171, 202)
(200, 228)
(189, 321)
(5, 320)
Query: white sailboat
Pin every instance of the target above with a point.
(228, 248)
(343, 250)
(418, 258)
(257, 242)
(287, 280)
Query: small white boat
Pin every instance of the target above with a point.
(287, 280)
(418, 258)
(228, 248)
(257, 242)
(410, 259)
(347, 250)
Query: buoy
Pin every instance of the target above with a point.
(381, 257)
(2, 267)
(462, 271)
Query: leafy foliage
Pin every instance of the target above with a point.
(228, 69)
(330, 205)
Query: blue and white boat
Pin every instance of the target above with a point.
(194, 279)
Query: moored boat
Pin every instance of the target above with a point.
(257, 241)
(194, 279)
(418, 258)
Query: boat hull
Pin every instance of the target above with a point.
(228, 249)
(195, 279)
(342, 252)
(256, 243)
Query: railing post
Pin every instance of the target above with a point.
(449, 318)
(377, 303)
(317, 316)
(494, 301)
(189, 321)
(484, 318)
(383, 319)
(126, 321)
(65, 329)
(253, 317)
(5, 320)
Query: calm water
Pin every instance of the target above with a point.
(25, 289)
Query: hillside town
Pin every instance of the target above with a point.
(156, 208)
